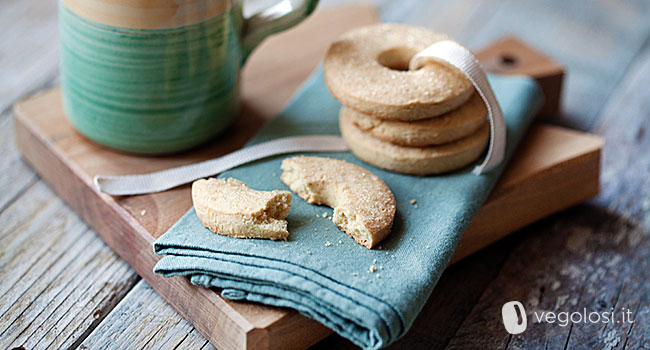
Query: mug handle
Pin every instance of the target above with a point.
(273, 19)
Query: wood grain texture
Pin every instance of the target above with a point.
(16, 175)
(131, 322)
(31, 67)
(585, 258)
(550, 171)
(113, 223)
(30, 50)
(625, 126)
(58, 278)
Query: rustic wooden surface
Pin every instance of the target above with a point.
(553, 169)
(595, 254)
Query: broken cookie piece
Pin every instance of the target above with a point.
(364, 207)
(230, 208)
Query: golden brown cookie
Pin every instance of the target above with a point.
(229, 207)
(364, 207)
(414, 160)
(367, 70)
(448, 127)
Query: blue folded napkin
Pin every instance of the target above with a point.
(320, 271)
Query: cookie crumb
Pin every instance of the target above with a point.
(374, 261)
(325, 214)
(327, 229)
(324, 234)
(373, 268)
(413, 201)
(340, 241)
(308, 252)
(415, 206)
(427, 246)
(143, 212)
(378, 276)
(286, 245)
(327, 244)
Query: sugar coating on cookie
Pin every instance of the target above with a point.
(414, 160)
(229, 207)
(448, 127)
(367, 70)
(364, 207)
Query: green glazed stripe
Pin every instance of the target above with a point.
(151, 91)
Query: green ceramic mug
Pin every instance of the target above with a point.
(159, 76)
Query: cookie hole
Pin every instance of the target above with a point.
(508, 61)
(396, 58)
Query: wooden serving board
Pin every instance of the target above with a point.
(553, 169)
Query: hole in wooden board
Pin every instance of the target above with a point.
(508, 61)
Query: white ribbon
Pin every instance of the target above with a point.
(163, 180)
(447, 51)
(453, 53)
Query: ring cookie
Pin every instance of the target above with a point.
(414, 160)
(364, 207)
(367, 70)
(448, 127)
(230, 208)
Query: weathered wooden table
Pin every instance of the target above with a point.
(62, 287)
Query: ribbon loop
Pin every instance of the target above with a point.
(452, 53)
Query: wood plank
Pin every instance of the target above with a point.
(58, 278)
(586, 258)
(16, 175)
(595, 258)
(143, 320)
(586, 38)
(30, 41)
(211, 308)
(625, 126)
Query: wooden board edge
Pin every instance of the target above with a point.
(293, 332)
(82, 197)
(285, 327)
(558, 194)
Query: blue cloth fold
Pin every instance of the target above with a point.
(320, 271)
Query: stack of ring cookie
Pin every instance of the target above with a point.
(421, 122)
